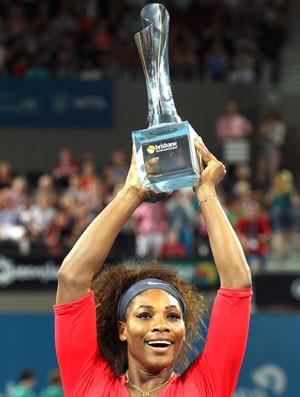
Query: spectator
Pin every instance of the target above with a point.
(19, 66)
(270, 141)
(241, 179)
(90, 39)
(88, 176)
(115, 171)
(179, 215)
(82, 214)
(39, 69)
(254, 231)
(232, 129)
(11, 226)
(57, 232)
(271, 38)
(231, 124)
(120, 164)
(282, 199)
(246, 55)
(244, 65)
(89, 159)
(73, 191)
(217, 62)
(6, 174)
(172, 248)
(45, 187)
(19, 192)
(65, 66)
(25, 388)
(96, 196)
(54, 389)
(64, 168)
(150, 227)
(89, 71)
(38, 216)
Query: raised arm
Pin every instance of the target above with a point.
(227, 251)
(91, 249)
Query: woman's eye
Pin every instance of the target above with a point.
(144, 315)
(174, 316)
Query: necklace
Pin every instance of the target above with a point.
(145, 393)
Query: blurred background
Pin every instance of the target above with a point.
(72, 90)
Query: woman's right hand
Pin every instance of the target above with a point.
(132, 181)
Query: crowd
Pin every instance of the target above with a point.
(217, 40)
(53, 209)
(26, 385)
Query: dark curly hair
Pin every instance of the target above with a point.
(113, 280)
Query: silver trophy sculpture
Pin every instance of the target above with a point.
(165, 152)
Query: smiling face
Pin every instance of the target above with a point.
(154, 330)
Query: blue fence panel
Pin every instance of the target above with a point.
(270, 368)
(56, 102)
(26, 340)
(271, 365)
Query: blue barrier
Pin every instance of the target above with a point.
(270, 368)
(26, 340)
(56, 102)
(271, 365)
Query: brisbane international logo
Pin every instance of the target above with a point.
(162, 147)
(151, 149)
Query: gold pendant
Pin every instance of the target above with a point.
(146, 394)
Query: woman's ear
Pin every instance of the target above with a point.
(122, 331)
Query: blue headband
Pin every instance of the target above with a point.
(143, 285)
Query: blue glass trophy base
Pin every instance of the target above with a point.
(166, 157)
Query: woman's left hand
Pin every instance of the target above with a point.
(214, 171)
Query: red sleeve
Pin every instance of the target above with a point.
(218, 367)
(77, 350)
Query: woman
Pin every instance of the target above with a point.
(146, 318)
(283, 202)
(271, 139)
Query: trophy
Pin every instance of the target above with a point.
(166, 157)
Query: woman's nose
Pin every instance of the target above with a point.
(160, 325)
